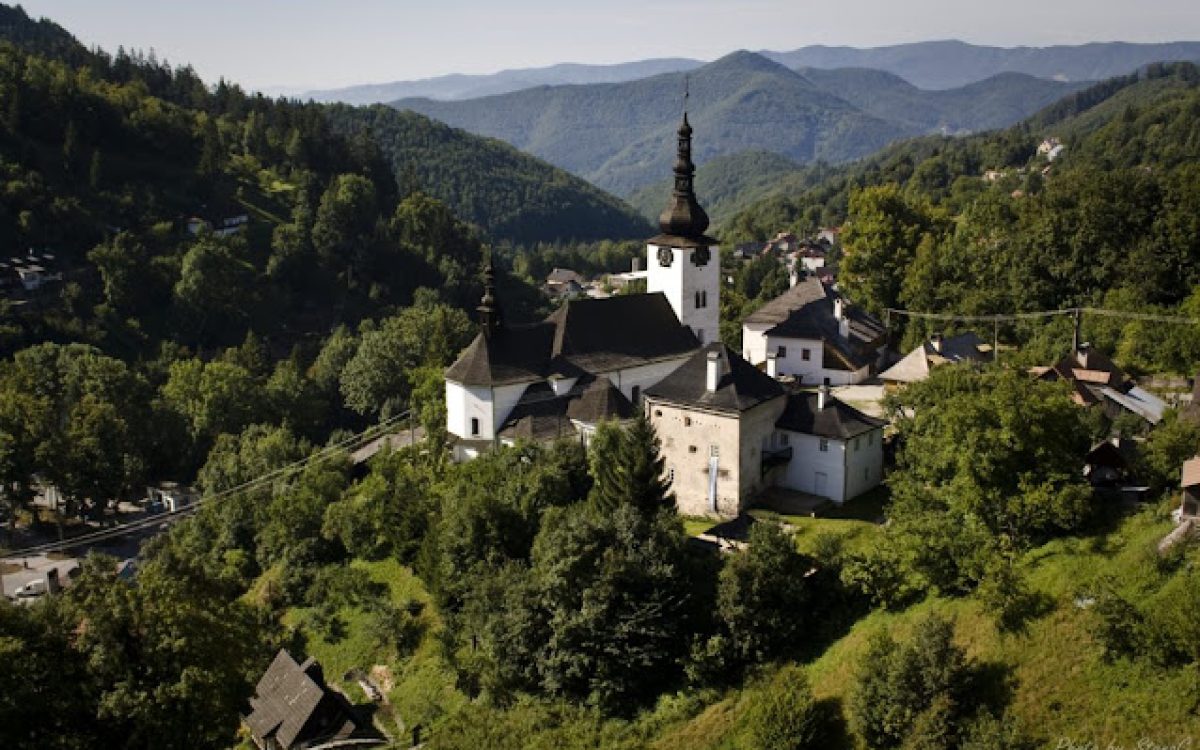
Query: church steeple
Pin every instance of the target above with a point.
(683, 216)
(489, 309)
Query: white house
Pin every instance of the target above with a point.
(938, 350)
(816, 336)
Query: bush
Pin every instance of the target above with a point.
(784, 716)
(912, 691)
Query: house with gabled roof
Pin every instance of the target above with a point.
(292, 707)
(1096, 381)
(936, 351)
(816, 336)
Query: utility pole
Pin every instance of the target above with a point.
(996, 338)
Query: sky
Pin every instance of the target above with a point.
(295, 45)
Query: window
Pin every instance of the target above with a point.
(687, 421)
(783, 439)
(781, 352)
(691, 449)
(823, 446)
(701, 299)
(806, 354)
(635, 394)
(474, 426)
(826, 381)
(658, 412)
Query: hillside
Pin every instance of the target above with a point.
(1122, 121)
(951, 63)
(489, 183)
(995, 102)
(620, 136)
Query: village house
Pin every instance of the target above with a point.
(938, 350)
(1189, 506)
(292, 707)
(816, 336)
(729, 430)
(1097, 382)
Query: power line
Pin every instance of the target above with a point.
(251, 484)
(1002, 317)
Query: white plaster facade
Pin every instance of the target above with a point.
(693, 291)
(837, 469)
(800, 358)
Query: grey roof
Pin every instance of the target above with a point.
(806, 311)
(540, 415)
(583, 335)
(293, 705)
(741, 386)
(965, 347)
(1096, 379)
(837, 420)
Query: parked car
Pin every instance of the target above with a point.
(31, 589)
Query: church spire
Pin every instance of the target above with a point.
(683, 216)
(489, 310)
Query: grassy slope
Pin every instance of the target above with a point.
(423, 687)
(1060, 684)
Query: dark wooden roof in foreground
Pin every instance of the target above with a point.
(293, 706)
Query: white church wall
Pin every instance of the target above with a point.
(643, 376)
(491, 406)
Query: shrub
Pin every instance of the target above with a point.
(784, 716)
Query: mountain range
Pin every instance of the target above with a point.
(619, 136)
(927, 65)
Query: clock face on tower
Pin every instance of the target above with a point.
(700, 256)
(665, 256)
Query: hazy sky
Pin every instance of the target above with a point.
(322, 43)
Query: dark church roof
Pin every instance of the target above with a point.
(293, 705)
(740, 387)
(540, 415)
(806, 311)
(837, 420)
(585, 335)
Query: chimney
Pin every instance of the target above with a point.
(637, 264)
(936, 342)
(714, 372)
(822, 397)
(773, 365)
(839, 312)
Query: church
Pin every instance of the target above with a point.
(729, 429)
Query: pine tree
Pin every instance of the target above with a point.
(629, 469)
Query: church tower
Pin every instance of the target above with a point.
(684, 263)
